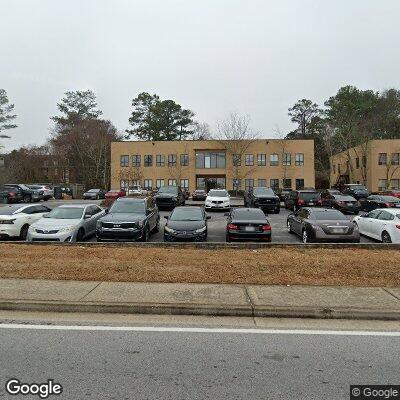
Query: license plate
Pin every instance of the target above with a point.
(311, 203)
(349, 204)
(249, 228)
(338, 230)
(398, 205)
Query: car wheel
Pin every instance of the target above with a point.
(146, 234)
(289, 227)
(27, 199)
(386, 237)
(80, 235)
(228, 239)
(305, 237)
(24, 232)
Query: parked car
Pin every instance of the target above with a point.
(115, 194)
(329, 192)
(136, 190)
(218, 199)
(169, 197)
(283, 193)
(15, 219)
(380, 224)
(47, 190)
(129, 218)
(186, 193)
(186, 223)
(10, 194)
(262, 197)
(66, 223)
(376, 201)
(247, 224)
(94, 194)
(322, 225)
(28, 195)
(302, 198)
(343, 203)
(356, 190)
(392, 192)
(199, 195)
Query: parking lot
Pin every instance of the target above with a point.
(217, 223)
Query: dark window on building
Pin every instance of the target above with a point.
(273, 160)
(287, 159)
(395, 158)
(148, 160)
(136, 159)
(160, 160)
(299, 184)
(274, 183)
(124, 161)
(210, 160)
(171, 160)
(237, 184)
(382, 160)
(287, 183)
(262, 183)
(249, 160)
(299, 159)
(148, 184)
(261, 160)
(237, 160)
(248, 183)
(184, 183)
(184, 160)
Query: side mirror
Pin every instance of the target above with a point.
(208, 217)
(166, 216)
(107, 210)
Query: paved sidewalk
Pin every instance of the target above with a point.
(200, 299)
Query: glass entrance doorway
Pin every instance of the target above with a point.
(210, 182)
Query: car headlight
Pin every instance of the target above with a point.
(67, 228)
(98, 225)
(140, 224)
(203, 229)
(174, 198)
(169, 230)
(7, 221)
(316, 227)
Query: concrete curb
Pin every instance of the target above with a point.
(219, 245)
(204, 310)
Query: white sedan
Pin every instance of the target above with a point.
(218, 199)
(15, 219)
(381, 224)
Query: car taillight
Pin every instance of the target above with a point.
(232, 227)
(340, 202)
(266, 227)
(398, 226)
(300, 202)
(11, 194)
(319, 202)
(388, 205)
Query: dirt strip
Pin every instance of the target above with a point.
(280, 266)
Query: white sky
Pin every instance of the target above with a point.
(255, 57)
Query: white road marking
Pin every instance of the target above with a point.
(199, 330)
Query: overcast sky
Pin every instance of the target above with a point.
(212, 56)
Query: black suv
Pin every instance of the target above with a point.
(22, 192)
(264, 198)
(355, 190)
(302, 198)
(170, 197)
(129, 219)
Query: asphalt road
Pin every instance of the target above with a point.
(146, 363)
(217, 224)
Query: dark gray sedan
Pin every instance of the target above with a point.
(322, 225)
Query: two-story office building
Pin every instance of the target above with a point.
(375, 164)
(208, 164)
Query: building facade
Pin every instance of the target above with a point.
(208, 164)
(376, 164)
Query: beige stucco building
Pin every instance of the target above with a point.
(375, 164)
(208, 164)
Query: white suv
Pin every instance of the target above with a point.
(218, 199)
(136, 190)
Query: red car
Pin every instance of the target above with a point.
(115, 194)
(392, 192)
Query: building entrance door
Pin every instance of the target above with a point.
(210, 182)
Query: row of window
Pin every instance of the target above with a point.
(382, 160)
(383, 184)
(211, 160)
(237, 183)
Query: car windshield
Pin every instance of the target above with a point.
(133, 187)
(390, 198)
(168, 189)
(34, 187)
(187, 214)
(8, 210)
(218, 193)
(328, 215)
(263, 191)
(248, 214)
(357, 187)
(66, 213)
(93, 190)
(308, 195)
(131, 207)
